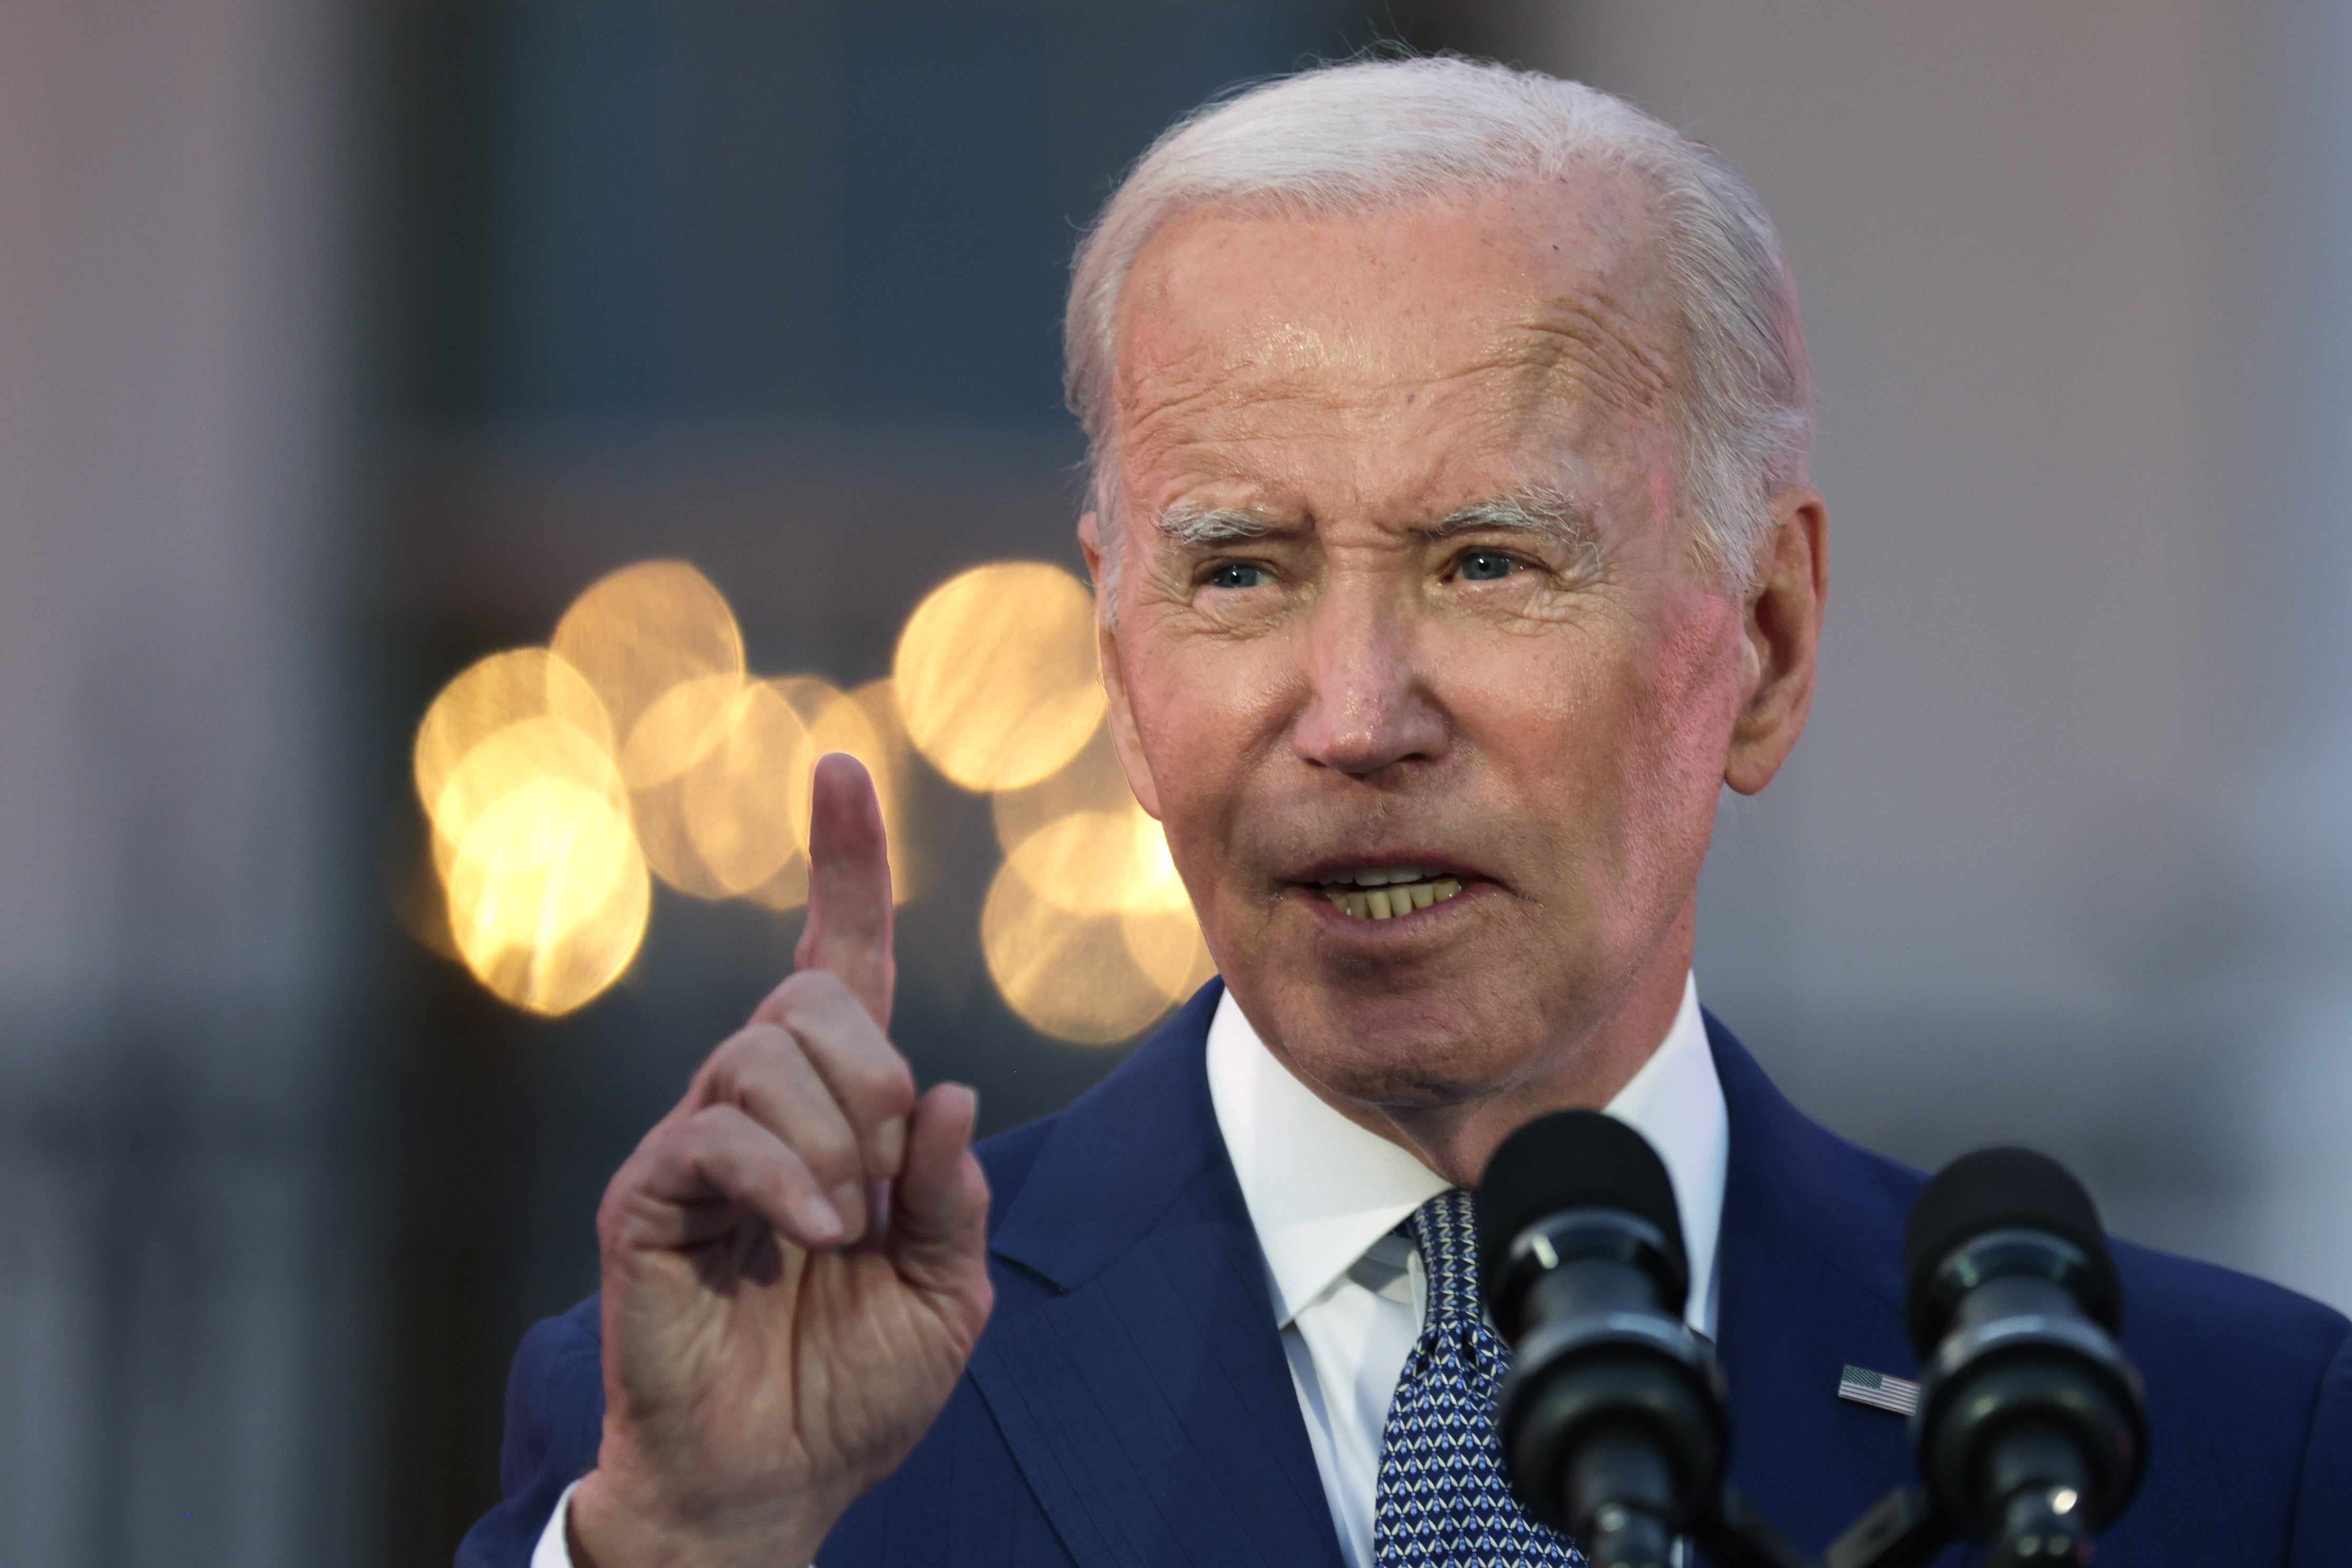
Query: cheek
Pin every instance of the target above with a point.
(1203, 712)
(1682, 713)
(1613, 733)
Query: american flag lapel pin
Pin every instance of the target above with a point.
(1878, 1390)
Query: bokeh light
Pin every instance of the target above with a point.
(864, 724)
(640, 635)
(1092, 781)
(1167, 945)
(547, 897)
(491, 697)
(1087, 930)
(521, 754)
(545, 891)
(664, 837)
(735, 817)
(746, 800)
(680, 728)
(996, 675)
(1067, 975)
(560, 781)
(1099, 862)
(1092, 865)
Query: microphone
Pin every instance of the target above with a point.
(2032, 1429)
(1611, 1418)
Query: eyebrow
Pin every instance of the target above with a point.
(1564, 520)
(1197, 528)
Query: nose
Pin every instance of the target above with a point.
(1368, 706)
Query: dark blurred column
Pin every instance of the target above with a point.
(171, 1260)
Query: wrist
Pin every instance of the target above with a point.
(615, 1524)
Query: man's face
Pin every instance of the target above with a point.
(1400, 593)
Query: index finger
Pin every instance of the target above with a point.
(848, 932)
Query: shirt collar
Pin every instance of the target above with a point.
(1322, 1190)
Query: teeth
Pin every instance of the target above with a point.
(1385, 876)
(1385, 903)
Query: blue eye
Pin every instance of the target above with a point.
(1486, 565)
(1237, 574)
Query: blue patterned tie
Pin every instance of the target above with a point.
(1442, 1501)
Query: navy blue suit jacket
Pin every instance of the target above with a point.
(1130, 1403)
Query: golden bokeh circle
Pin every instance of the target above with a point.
(1091, 781)
(1167, 945)
(996, 675)
(746, 800)
(864, 724)
(488, 696)
(1086, 929)
(521, 754)
(680, 728)
(667, 842)
(548, 894)
(638, 633)
(1067, 975)
(1099, 862)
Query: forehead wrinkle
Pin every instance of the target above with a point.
(1207, 432)
(1580, 355)
(1582, 345)
(1585, 341)
(1584, 348)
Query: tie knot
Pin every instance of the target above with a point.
(1446, 1229)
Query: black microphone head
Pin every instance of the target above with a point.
(1574, 1159)
(2001, 1189)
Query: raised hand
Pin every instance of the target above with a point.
(795, 1260)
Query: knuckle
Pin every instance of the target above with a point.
(747, 1052)
(890, 1084)
(813, 996)
(709, 1129)
(830, 1154)
(616, 1211)
(610, 1218)
(807, 994)
(856, 1055)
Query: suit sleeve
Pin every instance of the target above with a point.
(2323, 1510)
(555, 1420)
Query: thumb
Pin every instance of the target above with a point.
(848, 929)
(939, 1217)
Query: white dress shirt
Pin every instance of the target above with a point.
(1326, 1196)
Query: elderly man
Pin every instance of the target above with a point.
(1455, 549)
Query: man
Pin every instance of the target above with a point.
(1454, 548)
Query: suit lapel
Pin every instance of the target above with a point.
(1810, 1255)
(1144, 1388)
(1141, 1382)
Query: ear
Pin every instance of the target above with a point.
(1782, 633)
(1126, 739)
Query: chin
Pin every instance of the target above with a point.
(1406, 1054)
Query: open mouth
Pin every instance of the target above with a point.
(1388, 891)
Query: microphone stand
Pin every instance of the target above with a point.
(1902, 1531)
(1733, 1535)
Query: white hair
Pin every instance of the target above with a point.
(1379, 133)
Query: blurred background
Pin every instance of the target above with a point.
(345, 345)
